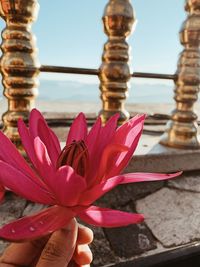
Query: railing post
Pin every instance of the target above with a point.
(19, 64)
(181, 130)
(114, 74)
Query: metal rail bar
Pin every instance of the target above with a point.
(73, 70)
(59, 69)
(85, 71)
(154, 75)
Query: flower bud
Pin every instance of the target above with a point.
(75, 155)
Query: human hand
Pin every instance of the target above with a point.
(65, 247)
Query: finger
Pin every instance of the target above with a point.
(85, 235)
(23, 254)
(82, 255)
(60, 247)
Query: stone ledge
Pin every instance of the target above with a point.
(150, 156)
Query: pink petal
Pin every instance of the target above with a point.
(108, 131)
(37, 225)
(35, 117)
(111, 125)
(128, 135)
(27, 141)
(43, 164)
(143, 177)
(129, 125)
(39, 127)
(9, 154)
(78, 129)
(56, 141)
(2, 193)
(105, 136)
(23, 185)
(93, 136)
(89, 196)
(109, 218)
(106, 159)
(45, 135)
(93, 142)
(68, 186)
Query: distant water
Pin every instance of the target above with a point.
(76, 91)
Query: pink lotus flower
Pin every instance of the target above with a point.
(69, 181)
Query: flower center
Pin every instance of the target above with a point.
(75, 155)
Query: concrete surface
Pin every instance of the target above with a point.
(172, 216)
(190, 182)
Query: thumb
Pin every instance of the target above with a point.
(60, 247)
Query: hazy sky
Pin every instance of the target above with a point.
(70, 33)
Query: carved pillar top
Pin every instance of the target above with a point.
(189, 33)
(118, 18)
(19, 11)
(192, 6)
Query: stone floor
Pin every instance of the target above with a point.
(171, 208)
(172, 217)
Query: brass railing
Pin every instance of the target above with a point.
(72, 70)
(20, 68)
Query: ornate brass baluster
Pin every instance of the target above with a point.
(181, 130)
(19, 65)
(114, 74)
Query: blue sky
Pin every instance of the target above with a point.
(70, 33)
